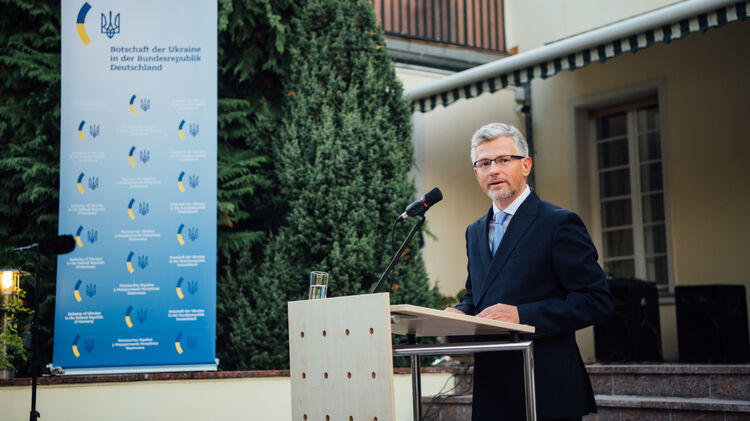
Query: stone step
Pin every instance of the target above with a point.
(730, 382)
(635, 392)
(611, 407)
(614, 407)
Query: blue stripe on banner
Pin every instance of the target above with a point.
(602, 50)
(633, 39)
(650, 38)
(667, 30)
(741, 11)
(572, 61)
(721, 16)
(617, 47)
(703, 22)
(586, 57)
(684, 28)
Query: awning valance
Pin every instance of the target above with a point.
(630, 35)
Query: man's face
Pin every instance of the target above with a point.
(502, 184)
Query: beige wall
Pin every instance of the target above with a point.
(251, 399)
(704, 105)
(530, 24)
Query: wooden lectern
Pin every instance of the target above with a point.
(340, 353)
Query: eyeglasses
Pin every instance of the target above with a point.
(501, 161)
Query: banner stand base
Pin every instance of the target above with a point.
(62, 371)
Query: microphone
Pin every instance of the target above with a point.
(51, 246)
(420, 206)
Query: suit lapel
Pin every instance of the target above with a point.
(480, 242)
(518, 226)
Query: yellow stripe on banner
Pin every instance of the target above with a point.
(82, 34)
(132, 110)
(179, 184)
(178, 347)
(132, 163)
(128, 322)
(179, 293)
(78, 295)
(80, 188)
(182, 135)
(75, 351)
(80, 134)
(130, 267)
(78, 241)
(130, 213)
(181, 241)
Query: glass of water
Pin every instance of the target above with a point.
(318, 285)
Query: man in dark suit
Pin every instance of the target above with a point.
(530, 262)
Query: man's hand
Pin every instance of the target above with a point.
(454, 310)
(502, 312)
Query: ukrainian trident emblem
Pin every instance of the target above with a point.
(112, 27)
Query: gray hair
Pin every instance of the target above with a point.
(494, 130)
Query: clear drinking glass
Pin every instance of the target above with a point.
(318, 285)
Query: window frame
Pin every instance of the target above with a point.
(585, 174)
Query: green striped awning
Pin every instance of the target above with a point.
(580, 50)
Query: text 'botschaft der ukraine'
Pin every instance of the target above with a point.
(151, 58)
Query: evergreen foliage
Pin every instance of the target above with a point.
(342, 157)
(252, 39)
(30, 146)
(314, 145)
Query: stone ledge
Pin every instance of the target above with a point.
(671, 403)
(662, 368)
(192, 375)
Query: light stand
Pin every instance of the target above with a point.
(34, 415)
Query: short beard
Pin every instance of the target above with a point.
(495, 198)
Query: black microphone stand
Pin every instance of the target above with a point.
(384, 276)
(34, 415)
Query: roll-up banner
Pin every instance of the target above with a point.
(137, 187)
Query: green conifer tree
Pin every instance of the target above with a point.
(342, 161)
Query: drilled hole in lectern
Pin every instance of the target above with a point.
(351, 418)
(302, 334)
(304, 375)
(372, 331)
(347, 332)
(304, 416)
(374, 418)
(325, 375)
(373, 374)
(328, 418)
(324, 333)
(348, 374)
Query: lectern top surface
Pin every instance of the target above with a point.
(407, 319)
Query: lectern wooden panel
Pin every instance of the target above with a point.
(340, 359)
(408, 319)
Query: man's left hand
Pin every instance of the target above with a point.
(502, 312)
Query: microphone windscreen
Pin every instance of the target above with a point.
(433, 196)
(57, 245)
